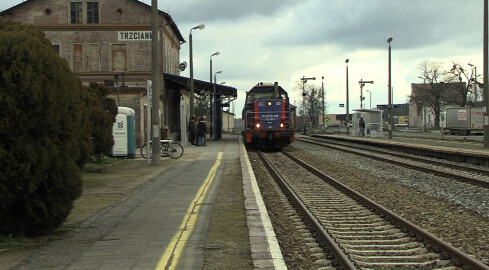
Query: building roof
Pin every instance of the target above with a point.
(201, 87)
(172, 24)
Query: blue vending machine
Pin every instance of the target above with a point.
(124, 132)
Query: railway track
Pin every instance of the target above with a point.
(470, 174)
(358, 232)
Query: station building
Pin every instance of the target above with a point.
(109, 42)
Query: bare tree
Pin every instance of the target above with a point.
(202, 106)
(313, 104)
(432, 95)
(464, 96)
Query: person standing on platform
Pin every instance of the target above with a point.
(361, 125)
(206, 131)
(201, 129)
(192, 126)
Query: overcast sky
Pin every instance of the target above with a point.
(283, 40)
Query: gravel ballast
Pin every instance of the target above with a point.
(456, 212)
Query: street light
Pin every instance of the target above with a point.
(486, 75)
(199, 27)
(210, 94)
(370, 95)
(347, 101)
(213, 120)
(389, 108)
(322, 95)
(474, 71)
(304, 80)
(214, 54)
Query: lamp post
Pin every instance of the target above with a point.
(213, 119)
(155, 95)
(474, 87)
(322, 95)
(486, 78)
(200, 27)
(304, 80)
(389, 107)
(347, 101)
(211, 96)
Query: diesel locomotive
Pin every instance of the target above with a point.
(267, 117)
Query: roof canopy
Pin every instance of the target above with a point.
(201, 87)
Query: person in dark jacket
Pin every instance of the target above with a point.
(361, 125)
(192, 126)
(201, 129)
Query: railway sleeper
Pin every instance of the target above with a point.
(398, 265)
(387, 252)
(408, 245)
(342, 226)
(349, 229)
(369, 236)
(392, 231)
(406, 258)
(350, 216)
(379, 242)
(342, 222)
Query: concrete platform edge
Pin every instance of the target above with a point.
(265, 250)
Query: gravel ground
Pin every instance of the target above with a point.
(456, 212)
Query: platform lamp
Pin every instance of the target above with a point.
(213, 120)
(192, 94)
(389, 106)
(347, 101)
(211, 133)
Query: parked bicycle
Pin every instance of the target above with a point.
(169, 148)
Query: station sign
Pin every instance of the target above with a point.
(391, 106)
(134, 35)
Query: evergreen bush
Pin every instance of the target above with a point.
(44, 133)
(103, 112)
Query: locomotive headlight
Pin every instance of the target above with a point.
(282, 124)
(269, 103)
(257, 124)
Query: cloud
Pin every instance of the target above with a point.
(366, 24)
(196, 11)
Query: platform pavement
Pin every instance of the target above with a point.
(163, 225)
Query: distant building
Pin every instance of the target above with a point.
(109, 42)
(228, 122)
(421, 114)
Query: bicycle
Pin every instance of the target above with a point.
(169, 148)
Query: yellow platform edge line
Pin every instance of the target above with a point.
(173, 251)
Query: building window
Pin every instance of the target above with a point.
(77, 58)
(93, 57)
(56, 48)
(119, 57)
(92, 12)
(76, 12)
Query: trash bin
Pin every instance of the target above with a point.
(124, 132)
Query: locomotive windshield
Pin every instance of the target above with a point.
(263, 95)
(258, 93)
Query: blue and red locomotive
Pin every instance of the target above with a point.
(267, 117)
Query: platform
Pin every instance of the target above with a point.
(163, 225)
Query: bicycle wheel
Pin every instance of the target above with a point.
(144, 150)
(175, 150)
(164, 149)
